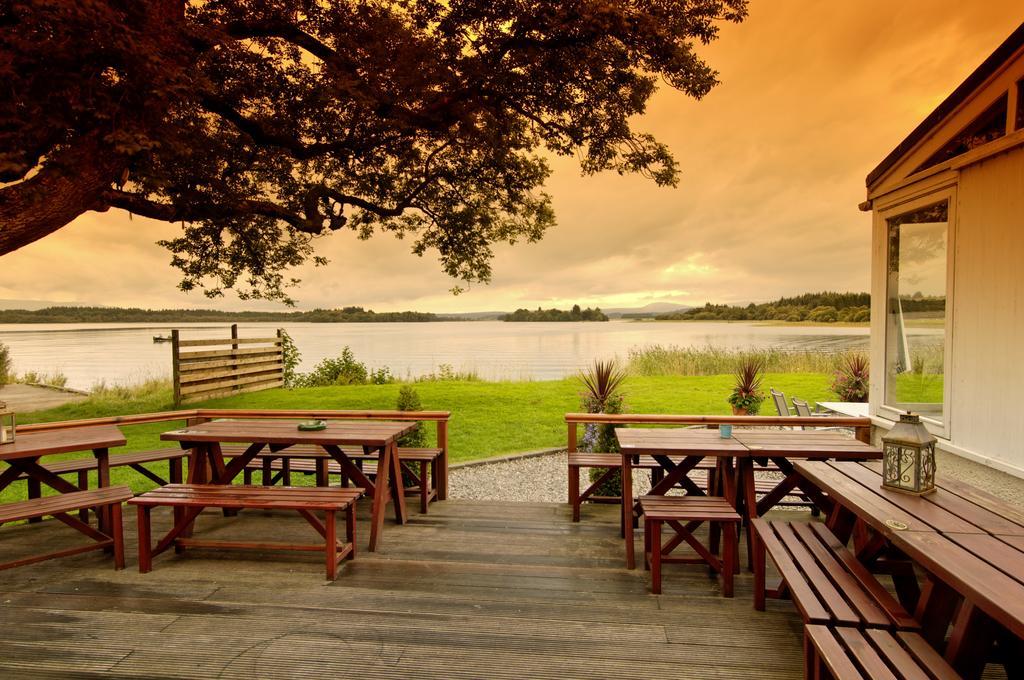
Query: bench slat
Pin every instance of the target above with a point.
(257, 497)
(889, 648)
(813, 575)
(860, 600)
(804, 598)
(875, 653)
(61, 503)
(889, 604)
(62, 467)
(864, 654)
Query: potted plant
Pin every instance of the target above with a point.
(746, 396)
(601, 382)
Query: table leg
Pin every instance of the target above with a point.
(380, 496)
(935, 609)
(748, 491)
(627, 510)
(398, 486)
(331, 544)
(971, 641)
(103, 480)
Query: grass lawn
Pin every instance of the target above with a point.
(488, 418)
(919, 388)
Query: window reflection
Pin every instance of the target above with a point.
(916, 314)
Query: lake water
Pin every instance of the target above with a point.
(125, 353)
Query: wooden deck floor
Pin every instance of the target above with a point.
(472, 590)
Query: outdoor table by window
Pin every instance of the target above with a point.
(24, 453)
(969, 543)
(382, 436)
(737, 483)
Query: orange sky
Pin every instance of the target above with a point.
(814, 94)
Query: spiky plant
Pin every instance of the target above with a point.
(746, 395)
(852, 377)
(602, 381)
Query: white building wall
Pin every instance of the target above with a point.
(987, 372)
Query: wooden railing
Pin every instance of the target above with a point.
(201, 415)
(860, 426)
(227, 368)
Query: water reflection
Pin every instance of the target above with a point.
(495, 350)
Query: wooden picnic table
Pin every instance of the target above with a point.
(735, 481)
(969, 543)
(22, 457)
(373, 436)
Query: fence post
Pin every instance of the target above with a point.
(234, 351)
(176, 366)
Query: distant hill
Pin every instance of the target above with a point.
(647, 311)
(826, 307)
(135, 315)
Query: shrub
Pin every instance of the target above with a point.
(342, 370)
(6, 365)
(291, 357)
(746, 395)
(54, 379)
(447, 373)
(823, 314)
(852, 377)
(382, 376)
(409, 400)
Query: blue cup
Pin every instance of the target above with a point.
(725, 431)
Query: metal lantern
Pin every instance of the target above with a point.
(908, 464)
(6, 424)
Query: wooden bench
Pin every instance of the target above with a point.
(192, 499)
(825, 580)
(135, 460)
(847, 653)
(59, 506)
(420, 466)
(684, 514)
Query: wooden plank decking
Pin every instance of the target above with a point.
(474, 589)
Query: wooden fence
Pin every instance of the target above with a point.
(230, 366)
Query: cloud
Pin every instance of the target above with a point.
(813, 95)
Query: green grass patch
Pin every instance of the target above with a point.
(919, 388)
(488, 418)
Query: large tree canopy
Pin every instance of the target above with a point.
(262, 124)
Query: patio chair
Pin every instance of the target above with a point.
(780, 402)
(803, 409)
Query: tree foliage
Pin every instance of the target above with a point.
(262, 124)
(576, 314)
(824, 307)
(135, 315)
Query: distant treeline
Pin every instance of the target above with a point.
(575, 314)
(134, 315)
(816, 307)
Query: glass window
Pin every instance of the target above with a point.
(916, 310)
(989, 126)
(1020, 105)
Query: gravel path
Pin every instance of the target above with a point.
(538, 479)
(542, 479)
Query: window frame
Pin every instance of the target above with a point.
(940, 428)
